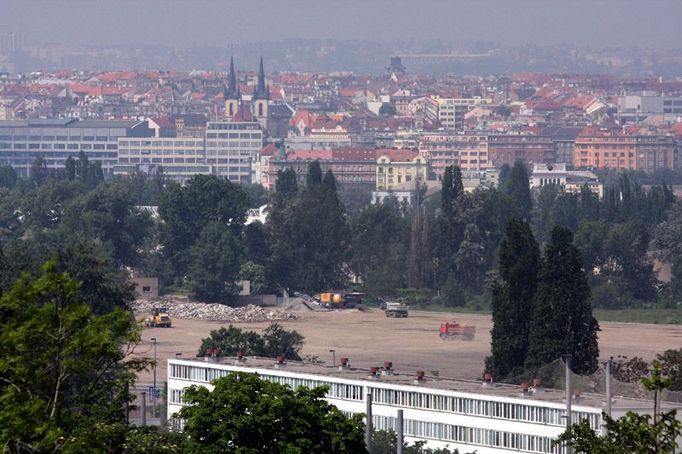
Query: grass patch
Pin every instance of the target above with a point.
(652, 315)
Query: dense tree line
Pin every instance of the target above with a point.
(444, 245)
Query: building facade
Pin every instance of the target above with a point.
(180, 157)
(531, 149)
(22, 141)
(468, 151)
(614, 150)
(458, 414)
(233, 150)
(450, 111)
(397, 167)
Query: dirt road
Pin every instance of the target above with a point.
(369, 339)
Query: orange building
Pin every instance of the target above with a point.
(612, 149)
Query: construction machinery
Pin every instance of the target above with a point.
(340, 300)
(396, 310)
(455, 330)
(158, 318)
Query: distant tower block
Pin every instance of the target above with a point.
(396, 67)
(261, 98)
(231, 93)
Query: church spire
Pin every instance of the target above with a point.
(232, 90)
(261, 91)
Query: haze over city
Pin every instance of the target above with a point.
(182, 23)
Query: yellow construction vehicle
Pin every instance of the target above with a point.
(158, 318)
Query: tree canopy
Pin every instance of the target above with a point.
(246, 414)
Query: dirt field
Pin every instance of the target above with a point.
(369, 338)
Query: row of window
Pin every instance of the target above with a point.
(227, 144)
(411, 399)
(233, 135)
(469, 435)
(57, 138)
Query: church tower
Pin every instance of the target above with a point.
(231, 93)
(261, 98)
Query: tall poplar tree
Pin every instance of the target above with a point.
(511, 302)
(561, 318)
(518, 188)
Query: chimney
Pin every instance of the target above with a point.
(280, 362)
(419, 377)
(240, 357)
(524, 387)
(373, 373)
(388, 368)
(487, 379)
(344, 364)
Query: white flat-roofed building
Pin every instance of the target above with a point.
(461, 414)
(233, 150)
(181, 158)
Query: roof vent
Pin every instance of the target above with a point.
(280, 362)
(388, 368)
(373, 373)
(487, 379)
(419, 376)
(240, 357)
(345, 364)
(537, 385)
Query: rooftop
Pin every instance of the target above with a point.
(403, 378)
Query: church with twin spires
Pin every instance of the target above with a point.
(238, 110)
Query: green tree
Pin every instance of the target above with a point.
(255, 274)
(8, 177)
(70, 168)
(246, 414)
(632, 433)
(286, 184)
(379, 247)
(39, 172)
(310, 236)
(186, 210)
(385, 442)
(274, 341)
(214, 264)
(518, 189)
(64, 371)
(519, 261)
(561, 316)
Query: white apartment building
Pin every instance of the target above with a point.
(228, 150)
(637, 106)
(180, 157)
(458, 414)
(233, 150)
(571, 181)
(450, 111)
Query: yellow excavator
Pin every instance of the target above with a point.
(158, 318)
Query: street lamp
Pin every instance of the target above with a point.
(333, 352)
(154, 368)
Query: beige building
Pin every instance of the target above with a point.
(396, 167)
(468, 151)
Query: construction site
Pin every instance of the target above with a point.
(444, 344)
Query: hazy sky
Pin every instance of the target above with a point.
(598, 23)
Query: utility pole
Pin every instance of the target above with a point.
(154, 393)
(400, 436)
(569, 397)
(368, 424)
(609, 391)
(333, 352)
(144, 408)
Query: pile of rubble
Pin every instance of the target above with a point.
(206, 311)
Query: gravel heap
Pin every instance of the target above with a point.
(206, 311)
